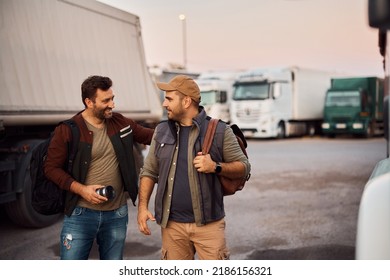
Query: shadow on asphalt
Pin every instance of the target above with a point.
(133, 250)
(326, 252)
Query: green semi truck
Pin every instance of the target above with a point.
(354, 106)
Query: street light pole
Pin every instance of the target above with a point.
(183, 20)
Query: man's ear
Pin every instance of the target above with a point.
(89, 103)
(187, 101)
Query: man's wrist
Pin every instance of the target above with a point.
(218, 168)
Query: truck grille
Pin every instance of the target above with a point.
(341, 119)
(248, 115)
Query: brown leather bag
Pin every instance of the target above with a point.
(229, 186)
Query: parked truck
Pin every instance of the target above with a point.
(354, 106)
(216, 90)
(280, 102)
(373, 224)
(47, 49)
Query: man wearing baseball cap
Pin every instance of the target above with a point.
(184, 85)
(189, 199)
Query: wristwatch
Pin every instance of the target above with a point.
(218, 168)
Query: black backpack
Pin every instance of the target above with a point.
(47, 197)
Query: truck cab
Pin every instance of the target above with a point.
(215, 98)
(216, 90)
(354, 106)
(261, 106)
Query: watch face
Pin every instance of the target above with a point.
(218, 168)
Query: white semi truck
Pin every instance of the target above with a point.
(279, 102)
(47, 49)
(216, 90)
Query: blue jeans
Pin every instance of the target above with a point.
(84, 225)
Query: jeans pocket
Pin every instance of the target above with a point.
(122, 211)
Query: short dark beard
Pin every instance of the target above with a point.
(101, 114)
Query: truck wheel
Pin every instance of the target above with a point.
(311, 130)
(23, 214)
(20, 211)
(369, 131)
(281, 131)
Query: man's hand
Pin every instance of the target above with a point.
(204, 163)
(88, 192)
(143, 216)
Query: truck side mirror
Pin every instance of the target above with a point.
(379, 13)
(222, 96)
(276, 91)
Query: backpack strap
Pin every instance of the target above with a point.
(237, 131)
(208, 139)
(72, 146)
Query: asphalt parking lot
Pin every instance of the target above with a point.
(301, 203)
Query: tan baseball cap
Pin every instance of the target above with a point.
(183, 84)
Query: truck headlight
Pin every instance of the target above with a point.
(325, 125)
(357, 126)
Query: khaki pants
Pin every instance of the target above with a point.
(180, 241)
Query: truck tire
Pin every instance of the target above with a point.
(369, 131)
(281, 131)
(311, 129)
(23, 214)
(20, 211)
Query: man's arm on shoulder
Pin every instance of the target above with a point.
(142, 134)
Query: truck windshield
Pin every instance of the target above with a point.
(343, 98)
(251, 91)
(208, 97)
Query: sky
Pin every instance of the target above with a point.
(222, 35)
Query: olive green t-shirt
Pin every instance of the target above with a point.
(104, 170)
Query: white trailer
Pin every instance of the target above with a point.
(216, 90)
(279, 102)
(47, 49)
